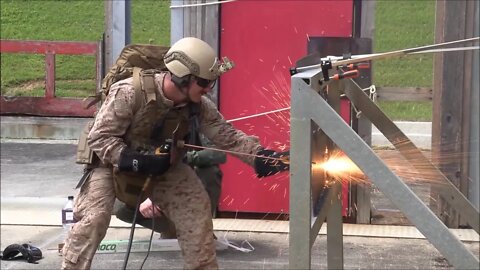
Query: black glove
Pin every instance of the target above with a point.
(266, 167)
(132, 161)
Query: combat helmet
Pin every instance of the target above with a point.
(193, 56)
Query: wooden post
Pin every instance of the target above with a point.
(49, 74)
(451, 103)
(363, 191)
(117, 29)
(202, 22)
(474, 171)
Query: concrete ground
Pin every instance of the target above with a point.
(271, 251)
(37, 175)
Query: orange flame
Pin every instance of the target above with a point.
(338, 165)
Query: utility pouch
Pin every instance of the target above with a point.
(84, 153)
(128, 186)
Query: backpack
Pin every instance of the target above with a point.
(133, 59)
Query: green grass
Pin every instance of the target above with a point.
(399, 24)
(407, 110)
(68, 20)
(80, 20)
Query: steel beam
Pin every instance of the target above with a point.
(335, 230)
(332, 193)
(117, 29)
(300, 190)
(305, 222)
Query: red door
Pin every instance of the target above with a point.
(264, 39)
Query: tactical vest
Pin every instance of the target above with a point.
(151, 126)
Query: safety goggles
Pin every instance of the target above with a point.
(204, 83)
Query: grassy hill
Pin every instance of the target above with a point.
(399, 24)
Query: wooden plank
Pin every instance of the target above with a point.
(404, 94)
(49, 75)
(42, 47)
(474, 145)
(465, 179)
(42, 106)
(448, 99)
(99, 68)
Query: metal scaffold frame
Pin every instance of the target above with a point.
(309, 109)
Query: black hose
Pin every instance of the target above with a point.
(151, 236)
(132, 231)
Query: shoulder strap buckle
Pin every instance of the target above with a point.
(148, 79)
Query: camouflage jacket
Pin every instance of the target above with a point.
(112, 129)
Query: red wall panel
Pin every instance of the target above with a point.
(264, 39)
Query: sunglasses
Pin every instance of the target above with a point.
(205, 83)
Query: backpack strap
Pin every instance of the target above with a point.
(143, 83)
(149, 87)
(137, 86)
(136, 78)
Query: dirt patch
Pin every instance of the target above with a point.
(29, 88)
(31, 85)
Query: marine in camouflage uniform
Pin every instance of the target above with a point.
(124, 136)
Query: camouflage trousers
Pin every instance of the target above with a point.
(211, 178)
(180, 195)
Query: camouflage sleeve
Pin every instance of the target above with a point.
(112, 121)
(224, 135)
